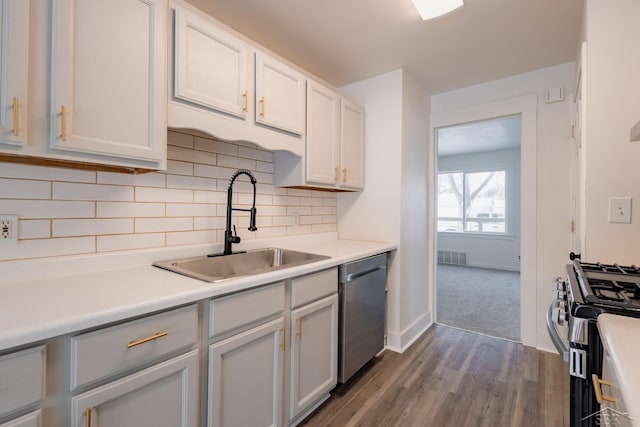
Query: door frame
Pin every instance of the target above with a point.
(526, 107)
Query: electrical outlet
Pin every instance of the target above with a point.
(8, 228)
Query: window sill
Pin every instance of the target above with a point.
(471, 235)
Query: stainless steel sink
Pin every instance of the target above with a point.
(215, 269)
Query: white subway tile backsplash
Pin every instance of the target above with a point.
(155, 225)
(255, 154)
(190, 182)
(176, 167)
(149, 194)
(90, 227)
(216, 146)
(36, 209)
(24, 189)
(180, 139)
(129, 209)
(73, 191)
(34, 229)
(124, 242)
(106, 212)
(16, 170)
(38, 248)
(144, 180)
(236, 162)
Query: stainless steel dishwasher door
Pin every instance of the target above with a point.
(362, 313)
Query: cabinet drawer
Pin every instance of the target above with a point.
(21, 379)
(234, 311)
(96, 355)
(33, 419)
(314, 286)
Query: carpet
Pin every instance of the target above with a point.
(479, 300)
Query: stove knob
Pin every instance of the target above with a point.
(566, 316)
(561, 317)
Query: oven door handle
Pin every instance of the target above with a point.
(561, 344)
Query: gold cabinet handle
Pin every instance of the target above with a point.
(87, 416)
(299, 333)
(336, 171)
(63, 117)
(597, 385)
(246, 101)
(262, 107)
(283, 341)
(151, 338)
(344, 175)
(16, 116)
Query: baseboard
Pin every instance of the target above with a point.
(399, 342)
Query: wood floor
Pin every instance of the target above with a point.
(452, 378)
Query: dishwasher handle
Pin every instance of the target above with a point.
(351, 271)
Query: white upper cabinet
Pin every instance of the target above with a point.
(108, 78)
(280, 95)
(351, 145)
(210, 67)
(14, 50)
(323, 135)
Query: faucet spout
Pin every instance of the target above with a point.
(231, 237)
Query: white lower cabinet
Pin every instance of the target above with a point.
(165, 394)
(313, 353)
(33, 419)
(245, 378)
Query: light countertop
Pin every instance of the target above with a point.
(621, 338)
(41, 299)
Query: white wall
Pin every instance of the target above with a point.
(612, 108)
(393, 205)
(553, 154)
(489, 251)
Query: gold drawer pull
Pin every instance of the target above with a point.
(262, 107)
(87, 416)
(63, 117)
(16, 116)
(246, 101)
(597, 384)
(337, 174)
(151, 338)
(283, 344)
(344, 175)
(299, 333)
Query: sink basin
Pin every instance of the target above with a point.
(215, 269)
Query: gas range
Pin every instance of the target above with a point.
(586, 291)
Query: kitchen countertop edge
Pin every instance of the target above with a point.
(92, 299)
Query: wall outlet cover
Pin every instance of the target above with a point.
(8, 228)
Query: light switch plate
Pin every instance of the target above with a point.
(620, 209)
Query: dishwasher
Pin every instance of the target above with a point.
(362, 290)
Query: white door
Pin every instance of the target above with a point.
(579, 158)
(323, 135)
(351, 145)
(245, 378)
(14, 50)
(109, 92)
(279, 95)
(164, 395)
(314, 351)
(210, 68)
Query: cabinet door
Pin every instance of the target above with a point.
(164, 395)
(210, 66)
(109, 91)
(351, 145)
(323, 135)
(14, 48)
(245, 378)
(32, 419)
(279, 95)
(314, 349)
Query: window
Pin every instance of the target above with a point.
(472, 202)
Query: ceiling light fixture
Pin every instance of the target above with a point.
(430, 9)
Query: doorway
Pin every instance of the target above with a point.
(478, 226)
(526, 107)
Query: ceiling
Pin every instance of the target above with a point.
(487, 135)
(343, 41)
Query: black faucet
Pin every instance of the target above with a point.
(232, 236)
